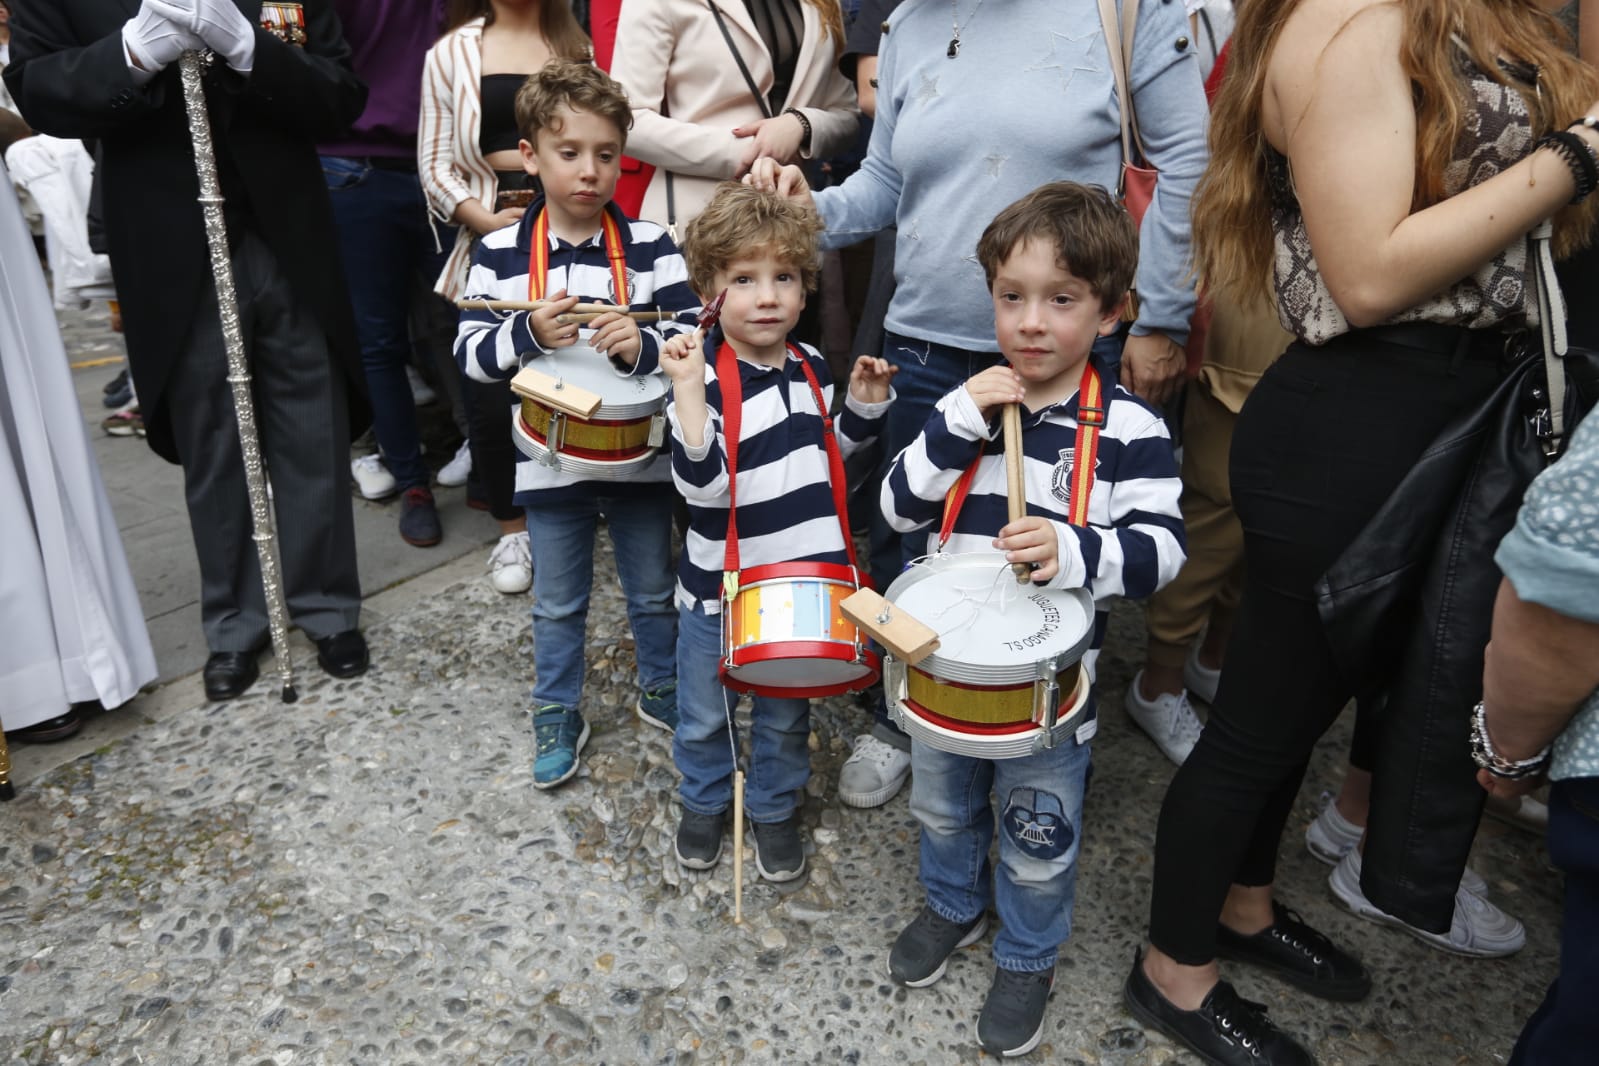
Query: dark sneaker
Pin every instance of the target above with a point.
(779, 853)
(699, 839)
(658, 707)
(1293, 951)
(118, 391)
(558, 736)
(1012, 1021)
(1226, 1030)
(922, 949)
(419, 519)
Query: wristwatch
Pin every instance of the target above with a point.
(1484, 755)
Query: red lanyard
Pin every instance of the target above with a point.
(1090, 421)
(732, 388)
(538, 260)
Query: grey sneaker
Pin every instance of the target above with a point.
(779, 853)
(872, 774)
(658, 707)
(1012, 1021)
(1478, 929)
(699, 839)
(922, 949)
(1169, 720)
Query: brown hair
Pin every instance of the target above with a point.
(832, 16)
(741, 220)
(557, 25)
(574, 84)
(1232, 209)
(1093, 236)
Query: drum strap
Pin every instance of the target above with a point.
(1090, 421)
(538, 260)
(732, 388)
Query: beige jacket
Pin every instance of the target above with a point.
(448, 159)
(688, 95)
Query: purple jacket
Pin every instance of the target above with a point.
(388, 40)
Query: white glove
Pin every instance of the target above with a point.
(152, 41)
(218, 23)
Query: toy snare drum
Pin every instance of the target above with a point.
(621, 436)
(784, 635)
(1006, 679)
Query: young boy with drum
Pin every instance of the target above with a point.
(574, 245)
(750, 399)
(1059, 264)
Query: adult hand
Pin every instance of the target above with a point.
(993, 388)
(1505, 789)
(870, 377)
(546, 330)
(509, 216)
(788, 181)
(152, 40)
(1152, 367)
(616, 335)
(218, 23)
(1032, 540)
(779, 137)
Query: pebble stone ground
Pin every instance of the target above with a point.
(368, 877)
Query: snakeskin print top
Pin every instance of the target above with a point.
(1496, 135)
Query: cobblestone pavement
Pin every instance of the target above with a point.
(368, 877)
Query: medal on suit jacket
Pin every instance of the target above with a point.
(286, 22)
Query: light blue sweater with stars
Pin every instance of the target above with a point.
(1030, 99)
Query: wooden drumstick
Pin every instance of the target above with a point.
(474, 304)
(1015, 482)
(738, 846)
(590, 316)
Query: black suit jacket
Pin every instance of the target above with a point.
(70, 78)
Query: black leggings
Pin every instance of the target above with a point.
(1322, 442)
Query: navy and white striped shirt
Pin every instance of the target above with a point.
(493, 346)
(786, 511)
(1133, 543)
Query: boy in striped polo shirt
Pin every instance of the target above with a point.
(574, 245)
(1059, 264)
(763, 253)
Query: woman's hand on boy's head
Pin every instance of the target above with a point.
(870, 377)
(682, 358)
(617, 335)
(994, 388)
(787, 181)
(549, 332)
(1032, 540)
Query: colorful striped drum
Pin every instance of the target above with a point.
(784, 635)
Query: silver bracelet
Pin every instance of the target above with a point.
(1484, 755)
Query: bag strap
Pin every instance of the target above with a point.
(1120, 46)
(671, 210)
(743, 68)
(1552, 326)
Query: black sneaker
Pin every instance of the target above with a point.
(1012, 1021)
(1226, 1030)
(922, 949)
(779, 853)
(419, 518)
(699, 839)
(1296, 953)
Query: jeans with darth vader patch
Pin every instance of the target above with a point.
(1038, 805)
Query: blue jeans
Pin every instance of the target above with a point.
(702, 747)
(1565, 1029)
(563, 537)
(1041, 820)
(384, 240)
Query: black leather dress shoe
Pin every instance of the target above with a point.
(1226, 1030)
(343, 654)
(229, 673)
(48, 731)
(1293, 951)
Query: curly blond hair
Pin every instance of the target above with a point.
(742, 220)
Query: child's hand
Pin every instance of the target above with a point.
(995, 387)
(617, 335)
(1031, 540)
(682, 358)
(869, 379)
(546, 330)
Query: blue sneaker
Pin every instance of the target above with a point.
(659, 707)
(558, 736)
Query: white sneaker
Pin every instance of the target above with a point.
(422, 393)
(1332, 836)
(872, 774)
(372, 477)
(1199, 679)
(1479, 928)
(511, 564)
(1169, 720)
(457, 470)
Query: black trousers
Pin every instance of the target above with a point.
(1320, 445)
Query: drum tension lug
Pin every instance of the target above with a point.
(657, 431)
(554, 437)
(1046, 699)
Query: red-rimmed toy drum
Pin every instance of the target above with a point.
(783, 633)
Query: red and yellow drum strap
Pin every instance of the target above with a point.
(1090, 421)
(538, 259)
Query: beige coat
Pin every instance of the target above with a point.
(673, 61)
